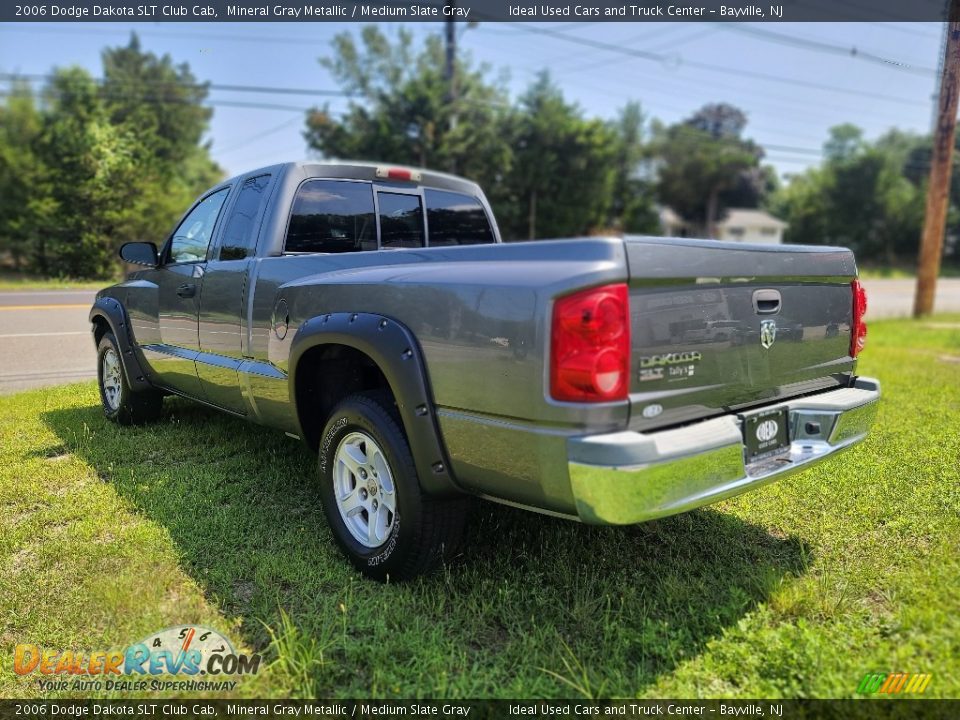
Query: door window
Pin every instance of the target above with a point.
(401, 220)
(332, 216)
(240, 234)
(192, 238)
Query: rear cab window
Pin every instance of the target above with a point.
(401, 220)
(337, 216)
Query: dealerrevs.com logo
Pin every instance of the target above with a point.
(190, 658)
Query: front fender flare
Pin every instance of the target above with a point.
(112, 312)
(394, 349)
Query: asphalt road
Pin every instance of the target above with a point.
(45, 336)
(45, 339)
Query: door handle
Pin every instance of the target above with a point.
(187, 290)
(766, 302)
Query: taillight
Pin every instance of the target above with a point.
(858, 328)
(590, 345)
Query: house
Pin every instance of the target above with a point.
(753, 226)
(737, 225)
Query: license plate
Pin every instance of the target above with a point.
(766, 434)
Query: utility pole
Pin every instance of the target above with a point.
(450, 72)
(938, 189)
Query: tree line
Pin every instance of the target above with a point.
(88, 165)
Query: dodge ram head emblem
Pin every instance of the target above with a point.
(768, 332)
(767, 430)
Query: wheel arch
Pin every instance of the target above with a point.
(394, 359)
(107, 314)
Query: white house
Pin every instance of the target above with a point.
(753, 226)
(738, 225)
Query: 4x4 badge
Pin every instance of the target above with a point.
(768, 332)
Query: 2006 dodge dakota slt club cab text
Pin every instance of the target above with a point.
(373, 312)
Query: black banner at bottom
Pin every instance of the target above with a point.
(477, 709)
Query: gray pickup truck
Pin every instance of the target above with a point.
(373, 312)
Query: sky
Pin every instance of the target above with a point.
(793, 80)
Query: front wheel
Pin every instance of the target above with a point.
(371, 495)
(121, 403)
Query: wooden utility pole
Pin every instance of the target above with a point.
(938, 190)
(450, 71)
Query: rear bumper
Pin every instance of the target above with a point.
(630, 477)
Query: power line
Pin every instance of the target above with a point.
(825, 47)
(191, 86)
(677, 61)
(205, 103)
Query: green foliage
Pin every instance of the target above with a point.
(563, 169)
(401, 112)
(705, 165)
(632, 203)
(97, 165)
(547, 170)
(20, 126)
(868, 197)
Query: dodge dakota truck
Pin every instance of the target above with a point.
(374, 313)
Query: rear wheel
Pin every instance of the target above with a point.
(120, 402)
(371, 495)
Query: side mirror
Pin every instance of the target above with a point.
(140, 253)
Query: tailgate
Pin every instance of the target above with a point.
(722, 326)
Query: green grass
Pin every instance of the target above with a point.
(797, 589)
(10, 281)
(905, 272)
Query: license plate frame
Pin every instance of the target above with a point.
(766, 434)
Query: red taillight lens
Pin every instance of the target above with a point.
(590, 345)
(858, 328)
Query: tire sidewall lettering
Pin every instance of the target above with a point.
(328, 441)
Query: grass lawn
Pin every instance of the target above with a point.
(798, 589)
(10, 281)
(885, 272)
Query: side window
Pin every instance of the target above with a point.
(401, 220)
(332, 216)
(456, 219)
(192, 237)
(240, 233)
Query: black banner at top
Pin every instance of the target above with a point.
(476, 10)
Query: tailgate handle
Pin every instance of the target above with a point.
(766, 302)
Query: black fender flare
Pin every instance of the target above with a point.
(112, 312)
(394, 349)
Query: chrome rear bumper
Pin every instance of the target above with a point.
(629, 477)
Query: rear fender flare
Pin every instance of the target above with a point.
(394, 349)
(111, 311)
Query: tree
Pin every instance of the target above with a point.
(90, 173)
(400, 112)
(563, 170)
(720, 121)
(862, 197)
(162, 102)
(20, 171)
(703, 158)
(632, 207)
(96, 165)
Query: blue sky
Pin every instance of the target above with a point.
(793, 84)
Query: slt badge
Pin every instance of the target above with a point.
(768, 333)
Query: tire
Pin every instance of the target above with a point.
(120, 402)
(367, 474)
